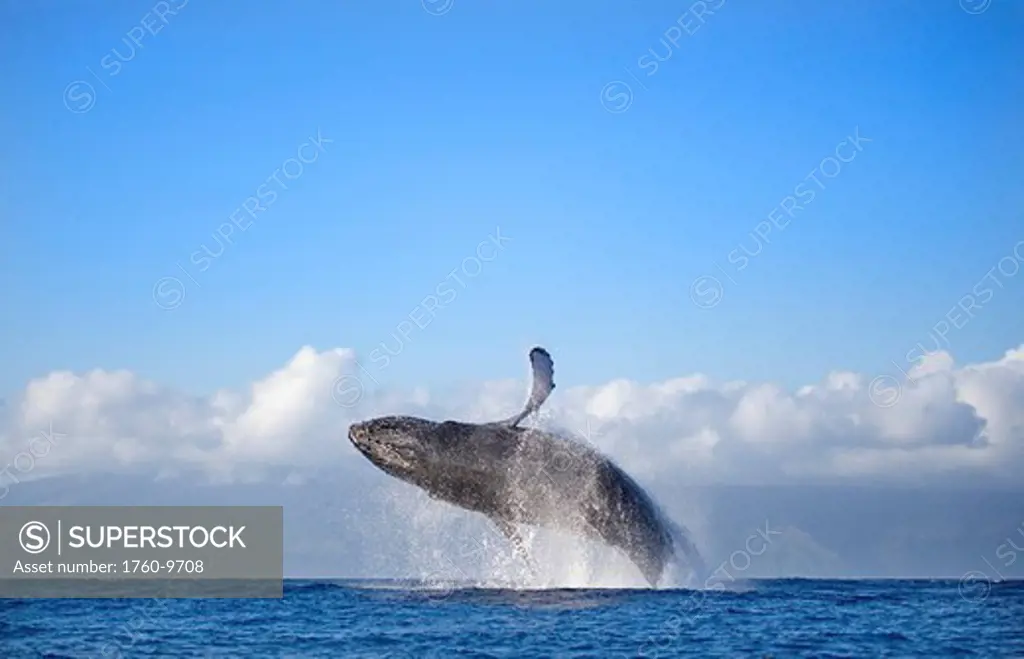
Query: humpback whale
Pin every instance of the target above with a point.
(518, 475)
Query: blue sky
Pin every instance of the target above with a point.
(447, 126)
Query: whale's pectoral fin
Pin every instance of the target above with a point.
(518, 544)
(543, 384)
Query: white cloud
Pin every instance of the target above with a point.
(949, 424)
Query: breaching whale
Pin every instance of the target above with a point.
(516, 475)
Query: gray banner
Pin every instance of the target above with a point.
(144, 551)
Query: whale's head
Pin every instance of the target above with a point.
(440, 457)
(402, 446)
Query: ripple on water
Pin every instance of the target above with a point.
(397, 619)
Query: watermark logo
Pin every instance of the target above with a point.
(169, 292)
(79, 96)
(139, 551)
(740, 561)
(706, 292)
(975, 6)
(616, 96)
(34, 537)
(974, 587)
(437, 7)
(347, 390)
(885, 391)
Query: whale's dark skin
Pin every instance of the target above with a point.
(517, 475)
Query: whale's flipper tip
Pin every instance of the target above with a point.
(543, 374)
(543, 368)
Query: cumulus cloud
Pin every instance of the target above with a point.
(941, 424)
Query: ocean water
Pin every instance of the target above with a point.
(757, 618)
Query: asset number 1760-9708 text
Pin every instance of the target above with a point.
(164, 567)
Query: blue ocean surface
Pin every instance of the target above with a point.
(758, 618)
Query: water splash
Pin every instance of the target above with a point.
(445, 547)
